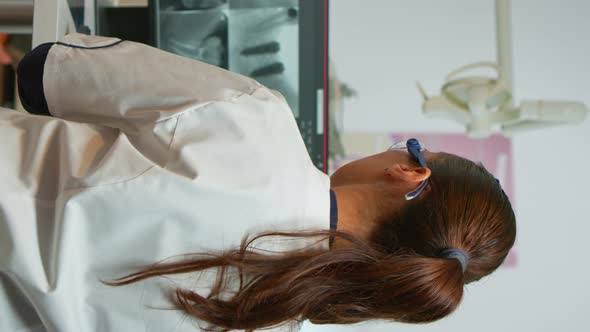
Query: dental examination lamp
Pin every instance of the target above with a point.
(485, 104)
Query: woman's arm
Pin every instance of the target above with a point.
(128, 85)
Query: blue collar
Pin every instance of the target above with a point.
(333, 210)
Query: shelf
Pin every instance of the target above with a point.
(16, 3)
(16, 29)
(16, 16)
(122, 3)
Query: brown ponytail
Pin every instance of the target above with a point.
(399, 275)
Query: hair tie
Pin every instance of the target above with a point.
(457, 254)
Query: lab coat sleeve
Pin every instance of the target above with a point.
(127, 85)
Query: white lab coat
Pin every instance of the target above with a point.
(148, 155)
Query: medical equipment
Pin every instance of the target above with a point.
(485, 105)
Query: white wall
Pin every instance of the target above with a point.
(381, 48)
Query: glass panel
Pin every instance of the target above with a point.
(256, 38)
(264, 44)
(195, 29)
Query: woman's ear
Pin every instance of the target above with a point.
(408, 173)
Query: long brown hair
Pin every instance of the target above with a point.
(398, 275)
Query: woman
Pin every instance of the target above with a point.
(147, 155)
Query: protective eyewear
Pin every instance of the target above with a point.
(414, 148)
